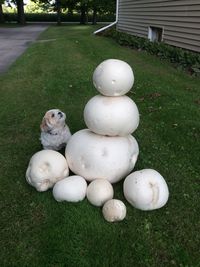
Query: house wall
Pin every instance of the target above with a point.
(180, 20)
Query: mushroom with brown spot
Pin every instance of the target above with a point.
(146, 189)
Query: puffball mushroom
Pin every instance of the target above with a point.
(45, 168)
(114, 210)
(95, 156)
(146, 189)
(72, 189)
(113, 77)
(99, 191)
(111, 115)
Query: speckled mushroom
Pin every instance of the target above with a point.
(114, 210)
(113, 77)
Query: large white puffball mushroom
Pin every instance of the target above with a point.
(111, 115)
(45, 168)
(99, 191)
(95, 156)
(71, 189)
(114, 210)
(146, 189)
(113, 77)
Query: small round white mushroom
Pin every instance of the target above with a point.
(94, 156)
(114, 210)
(113, 77)
(111, 115)
(45, 168)
(71, 189)
(99, 191)
(146, 189)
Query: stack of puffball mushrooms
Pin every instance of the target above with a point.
(103, 154)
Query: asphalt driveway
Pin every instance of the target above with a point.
(14, 41)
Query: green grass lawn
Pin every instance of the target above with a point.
(38, 231)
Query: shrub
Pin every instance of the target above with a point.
(52, 17)
(183, 58)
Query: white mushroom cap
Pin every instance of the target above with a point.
(111, 115)
(146, 189)
(72, 189)
(45, 168)
(113, 77)
(114, 210)
(95, 156)
(99, 191)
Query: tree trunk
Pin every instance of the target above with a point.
(70, 11)
(86, 17)
(58, 8)
(2, 19)
(83, 14)
(94, 16)
(20, 12)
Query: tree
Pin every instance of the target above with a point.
(2, 19)
(58, 10)
(83, 9)
(20, 12)
(101, 7)
(20, 9)
(70, 5)
(43, 6)
(96, 6)
(82, 6)
(50, 5)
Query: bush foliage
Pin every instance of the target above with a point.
(183, 58)
(52, 17)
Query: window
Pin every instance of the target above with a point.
(155, 34)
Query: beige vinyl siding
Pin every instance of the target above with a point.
(180, 20)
